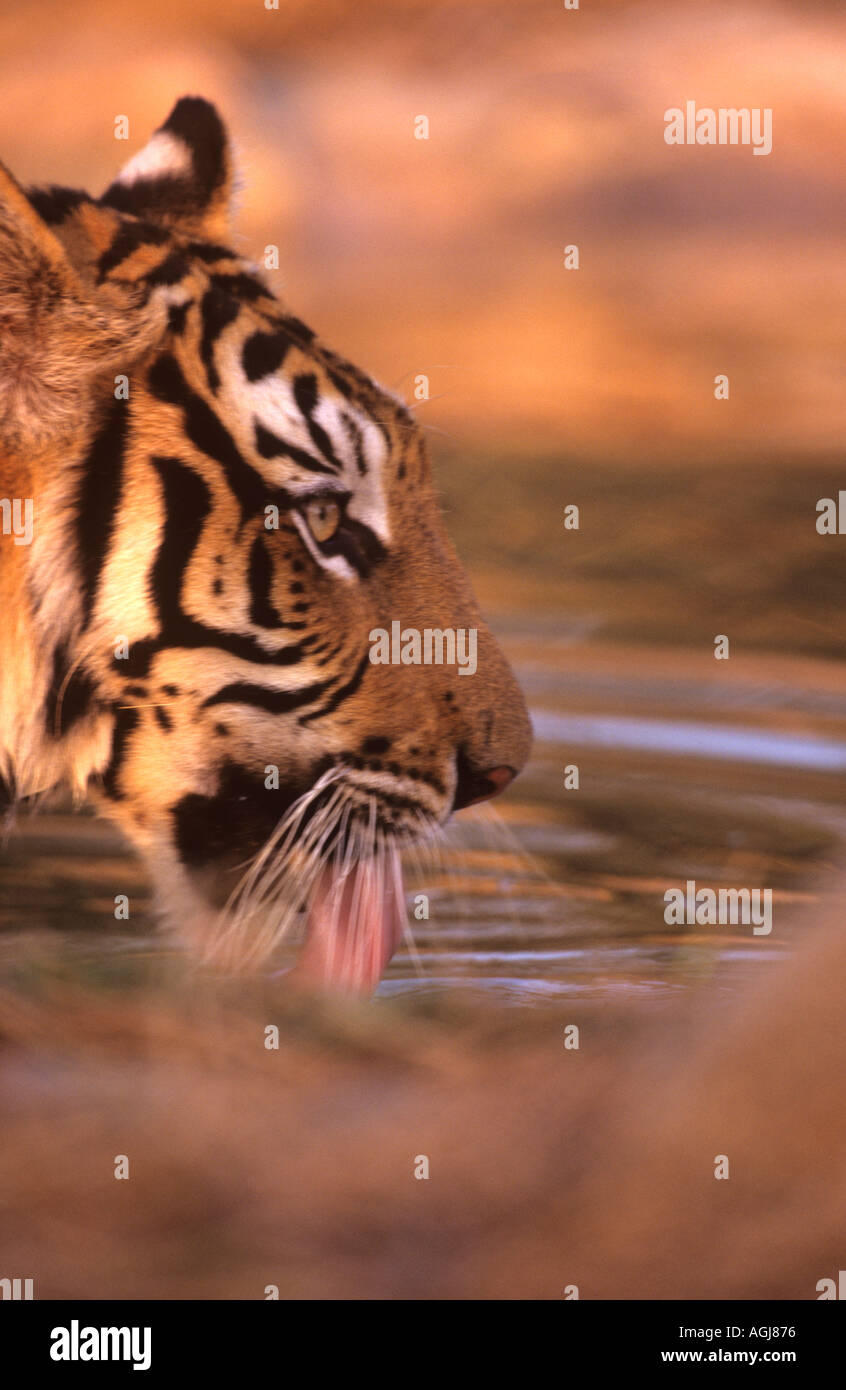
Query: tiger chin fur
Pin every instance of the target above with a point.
(223, 510)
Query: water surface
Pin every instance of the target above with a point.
(732, 779)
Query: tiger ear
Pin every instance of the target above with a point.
(183, 177)
(56, 331)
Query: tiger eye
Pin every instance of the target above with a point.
(324, 518)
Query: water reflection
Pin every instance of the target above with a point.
(555, 897)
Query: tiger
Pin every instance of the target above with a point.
(223, 512)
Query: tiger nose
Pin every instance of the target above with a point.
(473, 786)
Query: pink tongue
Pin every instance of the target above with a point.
(354, 927)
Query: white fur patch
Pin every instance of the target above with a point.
(164, 156)
(271, 403)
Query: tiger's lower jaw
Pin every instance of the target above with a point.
(350, 913)
(331, 865)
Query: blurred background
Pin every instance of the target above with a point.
(446, 257)
(546, 129)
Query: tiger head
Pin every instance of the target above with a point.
(238, 621)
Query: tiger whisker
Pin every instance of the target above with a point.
(309, 849)
(251, 891)
(427, 400)
(287, 824)
(310, 855)
(407, 933)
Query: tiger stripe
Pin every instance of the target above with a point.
(211, 554)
